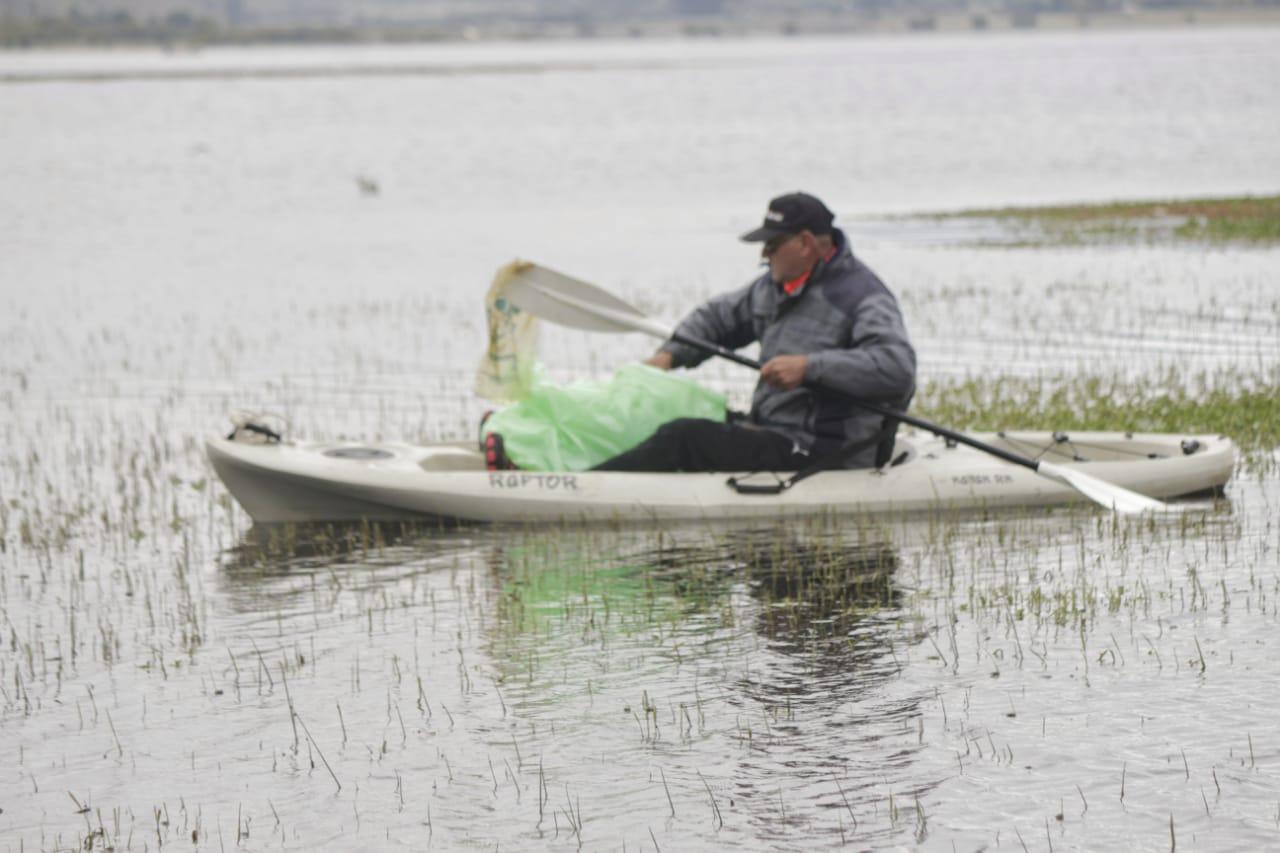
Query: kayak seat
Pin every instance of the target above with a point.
(452, 458)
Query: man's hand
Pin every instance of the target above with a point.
(784, 371)
(660, 359)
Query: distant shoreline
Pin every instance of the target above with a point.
(113, 31)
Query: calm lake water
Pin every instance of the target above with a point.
(186, 234)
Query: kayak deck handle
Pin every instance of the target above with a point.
(271, 436)
(758, 488)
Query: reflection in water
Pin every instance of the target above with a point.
(277, 547)
(829, 611)
(780, 670)
(306, 569)
(775, 644)
(817, 593)
(814, 590)
(816, 614)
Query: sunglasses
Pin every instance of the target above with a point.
(778, 242)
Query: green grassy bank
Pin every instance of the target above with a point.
(1248, 220)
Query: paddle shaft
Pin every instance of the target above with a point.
(920, 423)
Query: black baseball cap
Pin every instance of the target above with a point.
(791, 214)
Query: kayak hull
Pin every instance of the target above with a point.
(344, 481)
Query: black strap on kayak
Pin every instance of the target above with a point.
(822, 463)
(249, 426)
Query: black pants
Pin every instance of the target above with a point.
(695, 444)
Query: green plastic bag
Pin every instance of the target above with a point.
(581, 425)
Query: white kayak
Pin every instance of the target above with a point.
(308, 481)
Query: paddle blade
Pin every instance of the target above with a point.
(507, 369)
(567, 301)
(1118, 498)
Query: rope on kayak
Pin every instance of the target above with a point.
(1035, 451)
(1060, 438)
(1144, 454)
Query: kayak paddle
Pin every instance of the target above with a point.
(566, 301)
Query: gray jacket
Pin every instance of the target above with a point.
(847, 323)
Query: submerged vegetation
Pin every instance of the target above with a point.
(1246, 408)
(1252, 220)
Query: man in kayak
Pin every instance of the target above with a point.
(829, 330)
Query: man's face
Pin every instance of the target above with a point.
(790, 255)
